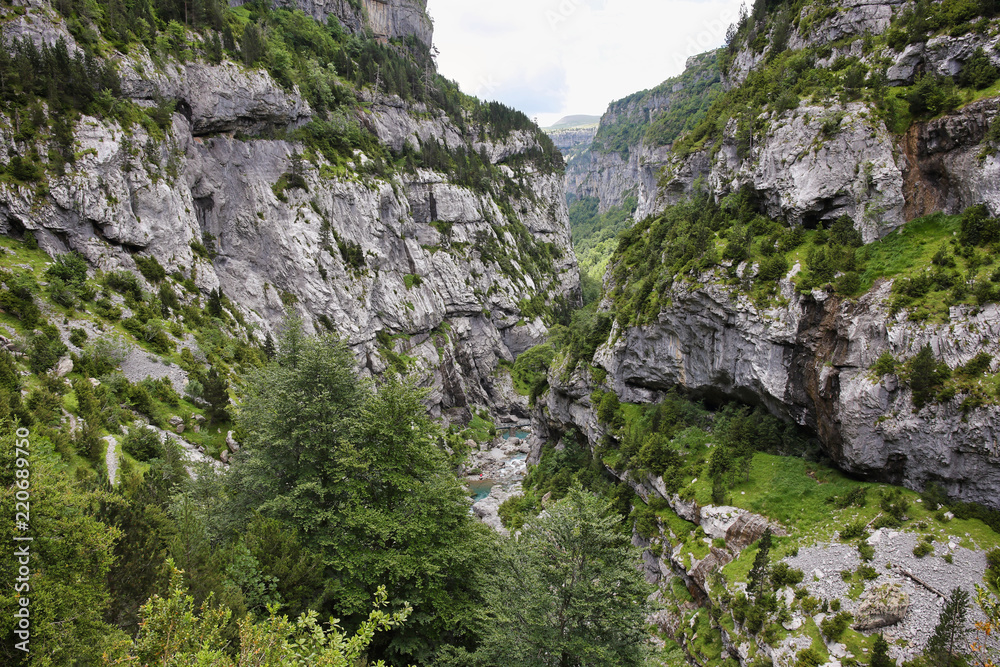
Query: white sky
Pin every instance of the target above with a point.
(553, 58)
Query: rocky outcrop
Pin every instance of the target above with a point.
(622, 162)
(808, 361)
(949, 164)
(387, 19)
(214, 98)
(816, 164)
(572, 138)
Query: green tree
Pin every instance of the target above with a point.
(949, 635)
(760, 573)
(69, 558)
(216, 392)
(173, 632)
(567, 591)
(357, 470)
(880, 653)
(925, 376)
(978, 71)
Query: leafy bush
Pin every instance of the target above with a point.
(609, 410)
(70, 267)
(125, 283)
(530, 370)
(922, 549)
(78, 337)
(784, 575)
(978, 71)
(150, 268)
(993, 561)
(103, 356)
(932, 95)
(45, 349)
(833, 627)
(141, 443)
(977, 227)
(867, 572)
(854, 530)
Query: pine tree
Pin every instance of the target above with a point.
(950, 631)
(761, 571)
(216, 392)
(880, 653)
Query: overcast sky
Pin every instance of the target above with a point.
(553, 58)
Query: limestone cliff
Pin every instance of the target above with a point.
(417, 271)
(387, 19)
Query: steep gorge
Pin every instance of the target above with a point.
(808, 160)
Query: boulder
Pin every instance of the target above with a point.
(231, 442)
(881, 607)
(177, 423)
(63, 368)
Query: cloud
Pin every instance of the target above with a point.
(558, 57)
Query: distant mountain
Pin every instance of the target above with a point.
(574, 123)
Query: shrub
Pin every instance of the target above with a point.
(150, 269)
(808, 657)
(978, 72)
(608, 411)
(833, 627)
(809, 604)
(932, 95)
(866, 551)
(784, 575)
(125, 283)
(867, 572)
(773, 268)
(78, 337)
(993, 561)
(975, 367)
(104, 355)
(977, 227)
(922, 549)
(141, 443)
(854, 530)
(70, 267)
(45, 350)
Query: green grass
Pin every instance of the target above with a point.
(908, 248)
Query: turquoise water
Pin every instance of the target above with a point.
(517, 434)
(480, 488)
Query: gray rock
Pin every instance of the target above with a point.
(882, 606)
(63, 368)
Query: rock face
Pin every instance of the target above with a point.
(410, 268)
(809, 361)
(387, 19)
(948, 165)
(816, 165)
